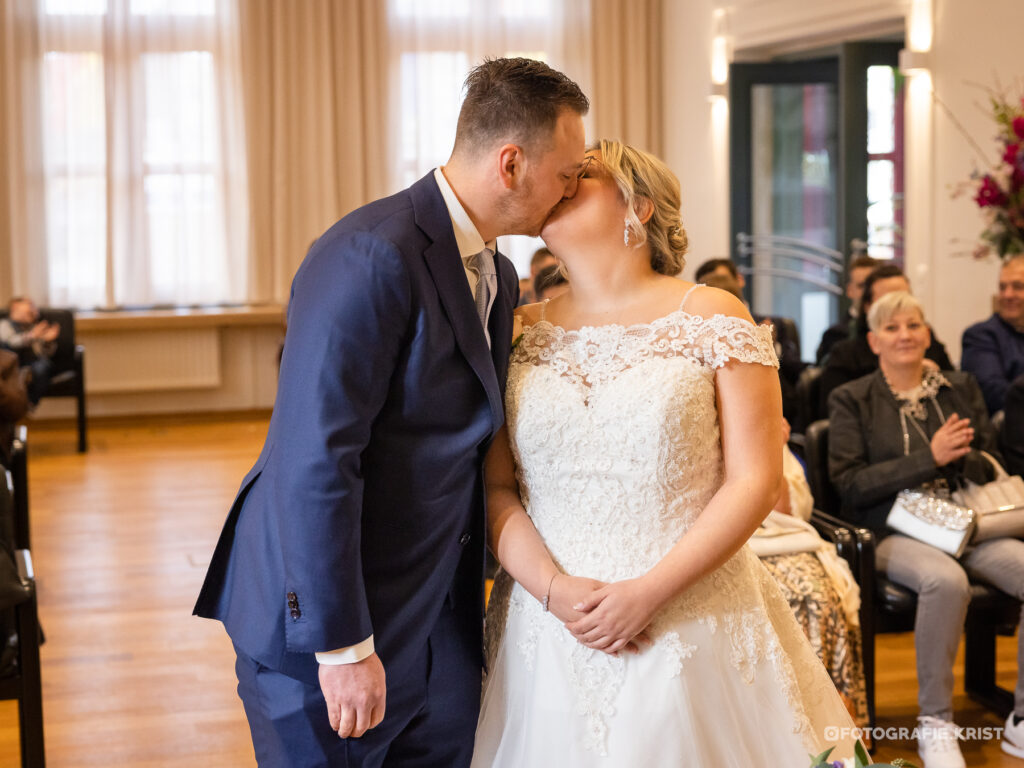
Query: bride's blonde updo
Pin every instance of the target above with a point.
(642, 175)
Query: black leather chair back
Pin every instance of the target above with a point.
(808, 392)
(826, 498)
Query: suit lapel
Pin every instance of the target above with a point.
(449, 276)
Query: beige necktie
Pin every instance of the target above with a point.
(482, 265)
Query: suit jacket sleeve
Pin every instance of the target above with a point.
(982, 358)
(860, 482)
(347, 322)
(1013, 429)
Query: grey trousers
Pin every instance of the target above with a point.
(943, 592)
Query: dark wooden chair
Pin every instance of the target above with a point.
(22, 679)
(890, 607)
(19, 477)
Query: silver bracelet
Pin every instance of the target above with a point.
(547, 597)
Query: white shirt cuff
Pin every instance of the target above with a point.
(349, 655)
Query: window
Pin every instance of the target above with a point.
(885, 163)
(141, 154)
(436, 43)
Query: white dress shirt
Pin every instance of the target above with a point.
(469, 243)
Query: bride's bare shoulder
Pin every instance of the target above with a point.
(706, 301)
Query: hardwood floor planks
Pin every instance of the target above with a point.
(121, 538)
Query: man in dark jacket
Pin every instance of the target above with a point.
(993, 350)
(1012, 437)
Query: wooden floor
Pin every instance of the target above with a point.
(121, 538)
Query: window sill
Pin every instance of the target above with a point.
(186, 317)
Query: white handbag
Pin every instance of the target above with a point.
(998, 505)
(927, 516)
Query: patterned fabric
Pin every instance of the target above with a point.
(914, 402)
(615, 435)
(815, 602)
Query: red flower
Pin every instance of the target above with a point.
(1018, 126)
(989, 194)
(1010, 155)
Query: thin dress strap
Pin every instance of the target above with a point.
(687, 295)
(543, 308)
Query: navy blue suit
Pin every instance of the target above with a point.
(364, 513)
(993, 351)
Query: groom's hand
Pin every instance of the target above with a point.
(355, 695)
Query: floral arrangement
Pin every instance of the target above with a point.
(860, 760)
(999, 192)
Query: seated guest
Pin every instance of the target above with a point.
(993, 350)
(818, 585)
(856, 273)
(1012, 442)
(852, 358)
(541, 258)
(34, 341)
(550, 283)
(14, 401)
(903, 426)
(720, 267)
(724, 280)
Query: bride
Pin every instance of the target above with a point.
(630, 626)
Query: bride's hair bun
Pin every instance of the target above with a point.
(642, 178)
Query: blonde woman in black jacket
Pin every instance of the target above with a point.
(905, 425)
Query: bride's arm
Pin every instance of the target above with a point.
(750, 414)
(517, 544)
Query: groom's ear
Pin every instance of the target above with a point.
(510, 165)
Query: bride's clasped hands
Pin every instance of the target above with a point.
(616, 616)
(606, 617)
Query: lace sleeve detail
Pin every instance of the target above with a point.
(721, 338)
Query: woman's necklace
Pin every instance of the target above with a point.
(913, 404)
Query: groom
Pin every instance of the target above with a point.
(349, 573)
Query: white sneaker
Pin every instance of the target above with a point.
(937, 743)
(1013, 737)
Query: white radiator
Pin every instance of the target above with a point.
(147, 361)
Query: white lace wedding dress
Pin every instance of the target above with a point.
(616, 440)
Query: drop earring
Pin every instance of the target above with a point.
(625, 232)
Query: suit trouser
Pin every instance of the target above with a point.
(429, 722)
(943, 593)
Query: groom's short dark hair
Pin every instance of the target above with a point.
(516, 101)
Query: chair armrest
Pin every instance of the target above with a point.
(79, 352)
(836, 531)
(26, 572)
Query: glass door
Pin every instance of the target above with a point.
(785, 191)
(816, 177)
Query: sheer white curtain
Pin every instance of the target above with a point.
(434, 43)
(129, 143)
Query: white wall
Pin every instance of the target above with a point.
(246, 376)
(972, 42)
(695, 140)
(970, 46)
